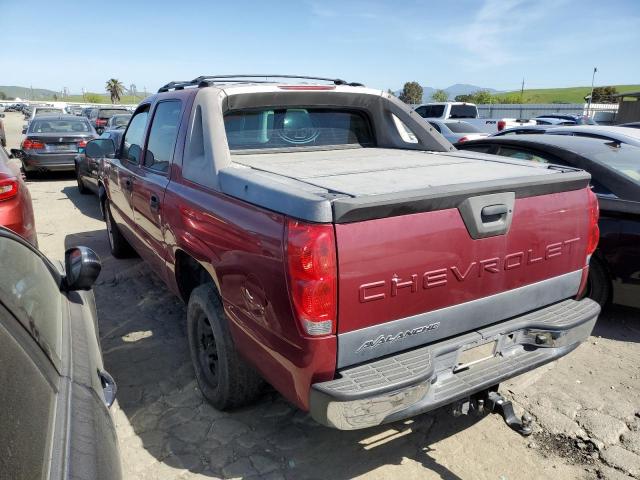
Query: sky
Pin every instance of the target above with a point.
(383, 44)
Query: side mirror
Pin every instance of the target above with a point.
(24, 130)
(17, 153)
(100, 148)
(82, 267)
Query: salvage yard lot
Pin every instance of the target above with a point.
(586, 406)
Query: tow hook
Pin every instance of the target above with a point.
(498, 404)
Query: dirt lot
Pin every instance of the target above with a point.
(586, 406)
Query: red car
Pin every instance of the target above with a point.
(329, 241)
(16, 209)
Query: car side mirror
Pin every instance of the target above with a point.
(17, 153)
(100, 148)
(82, 267)
(24, 130)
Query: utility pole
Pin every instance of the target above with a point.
(593, 77)
(521, 96)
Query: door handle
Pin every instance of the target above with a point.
(154, 203)
(109, 387)
(128, 183)
(493, 213)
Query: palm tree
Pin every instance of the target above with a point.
(115, 89)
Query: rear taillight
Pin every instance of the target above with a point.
(82, 143)
(501, 125)
(463, 139)
(100, 122)
(594, 231)
(29, 144)
(311, 259)
(8, 188)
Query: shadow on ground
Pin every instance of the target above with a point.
(619, 323)
(87, 204)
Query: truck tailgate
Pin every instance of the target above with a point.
(408, 280)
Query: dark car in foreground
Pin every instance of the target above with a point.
(16, 209)
(3, 134)
(615, 170)
(55, 394)
(52, 143)
(89, 170)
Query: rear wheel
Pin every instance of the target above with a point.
(225, 379)
(598, 283)
(120, 248)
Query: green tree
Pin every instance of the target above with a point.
(604, 95)
(115, 89)
(3, 96)
(511, 98)
(467, 98)
(93, 98)
(482, 96)
(411, 93)
(440, 96)
(390, 92)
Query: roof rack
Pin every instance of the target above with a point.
(208, 80)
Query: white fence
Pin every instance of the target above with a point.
(603, 112)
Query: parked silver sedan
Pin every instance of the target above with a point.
(456, 130)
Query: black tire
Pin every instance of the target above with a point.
(598, 282)
(120, 248)
(225, 379)
(81, 187)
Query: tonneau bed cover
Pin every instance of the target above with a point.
(354, 184)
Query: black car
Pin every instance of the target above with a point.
(614, 272)
(52, 142)
(54, 392)
(89, 170)
(572, 119)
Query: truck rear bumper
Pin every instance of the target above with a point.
(420, 380)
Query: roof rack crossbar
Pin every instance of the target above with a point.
(206, 80)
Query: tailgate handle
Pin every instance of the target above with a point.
(493, 213)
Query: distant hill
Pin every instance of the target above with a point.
(27, 93)
(452, 91)
(564, 95)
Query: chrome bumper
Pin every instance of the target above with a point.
(420, 380)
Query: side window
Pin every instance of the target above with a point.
(163, 135)
(436, 126)
(421, 110)
(478, 148)
(134, 138)
(600, 189)
(523, 155)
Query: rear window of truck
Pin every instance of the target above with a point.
(299, 128)
(463, 111)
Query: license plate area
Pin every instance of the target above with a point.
(62, 147)
(471, 356)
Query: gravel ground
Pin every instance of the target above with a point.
(586, 406)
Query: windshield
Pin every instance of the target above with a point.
(296, 128)
(461, 127)
(623, 159)
(59, 126)
(108, 112)
(463, 111)
(47, 111)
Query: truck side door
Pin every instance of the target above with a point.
(121, 177)
(151, 179)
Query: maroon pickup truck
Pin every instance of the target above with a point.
(329, 241)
